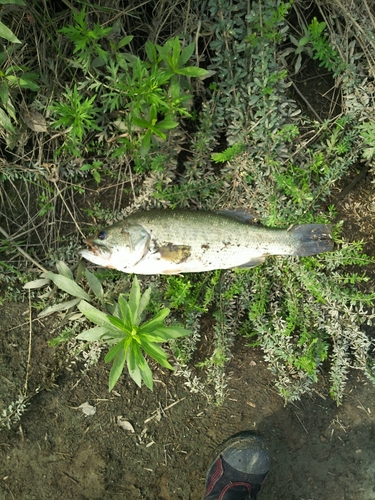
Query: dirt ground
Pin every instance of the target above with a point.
(317, 450)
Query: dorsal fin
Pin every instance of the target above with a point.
(240, 215)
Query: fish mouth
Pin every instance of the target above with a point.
(95, 256)
(95, 248)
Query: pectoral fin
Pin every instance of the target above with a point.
(252, 263)
(174, 253)
(170, 272)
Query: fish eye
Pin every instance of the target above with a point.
(102, 235)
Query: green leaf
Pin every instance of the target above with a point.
(163, 75)
(146, 375)
(165, 333)
(134, 299)
(153, 114)
(93, 334)
(294, 40)
(31, 285)
(186, 54)
(64, 270)
(6, 33)
(118, 323)
(176, 51)
(124, 41)
(116, 370)
(125, 313)
(159, 133)
(175, 89)
(114, 351)
(5, 122)
(26, 81)
(152, 337)
(4, 93)
(86, 166)
(156, 321)
(151, 52)
(140, 122)
(113, 308)
(146, 143)
(167, 124)
(67, 285)
(143, 303)
(304, 40)
(95, 284)
(100, 318)
(96, 176)
(10, 109)
(141, 362)
(133, 368)
(157, 353)
(58, 307)
(163, 52)
(192, 71)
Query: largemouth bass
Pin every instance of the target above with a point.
(184, 241)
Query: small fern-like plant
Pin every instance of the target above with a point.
(228, 154)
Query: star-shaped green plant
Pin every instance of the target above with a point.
(121, 327)
(134, 338)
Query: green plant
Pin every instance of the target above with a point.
(317, 307)
(323, 50)
(266, 28)
(152, 89)
(99, 212)
(89, 51)
(94, 169)
(77, 115)
(277, 305)
(228, 154)
(154, 127)
(122, 328)
(13, 79)
(146, 96)
(367, 132)
(132, 336)
(194, 294)
(316, 45)
(13, 413)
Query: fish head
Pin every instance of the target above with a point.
(120, 246)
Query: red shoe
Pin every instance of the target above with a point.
(239, 469)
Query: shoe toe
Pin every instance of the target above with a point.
(248, 455)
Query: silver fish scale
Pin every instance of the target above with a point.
(215, 240)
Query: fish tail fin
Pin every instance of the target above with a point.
(312, 239)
